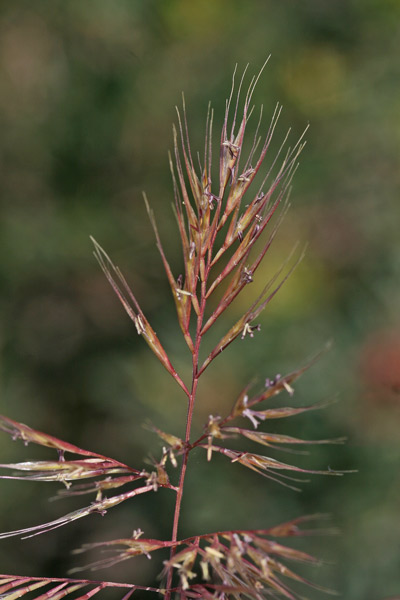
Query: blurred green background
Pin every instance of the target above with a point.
(87, 98)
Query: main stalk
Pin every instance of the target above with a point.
(189, 418)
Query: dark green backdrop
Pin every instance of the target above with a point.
(87, 96)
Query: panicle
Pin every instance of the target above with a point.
(226, 228)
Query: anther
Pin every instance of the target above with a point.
(247, 275)
(250, 329)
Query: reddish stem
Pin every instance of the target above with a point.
(188, 447)
(182, 479)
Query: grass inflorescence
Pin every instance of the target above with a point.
(226, 226)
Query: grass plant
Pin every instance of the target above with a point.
(226, 226)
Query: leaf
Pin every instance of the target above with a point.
(64, 470)
(96, 465)
(129, 302)
(241, 564)
(241, 277)
(99, 486)
(100, 506)
(27, 434)
(266, 439)
(22, 590)
(231, 144)
(228, 561)
(60, 591)
(243, 405)
(13, 587)
(172, 440)
(284, 411)
(195, 185)
(131, 547)
(243, 325)
(182, 298)
(292, 528)
(249, 228)
(267, 466)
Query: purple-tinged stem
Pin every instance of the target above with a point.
(188, 447)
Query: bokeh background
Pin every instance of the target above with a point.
(87, 98)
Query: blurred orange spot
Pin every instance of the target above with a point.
(380, 367)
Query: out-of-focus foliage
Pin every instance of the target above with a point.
(87, 99)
